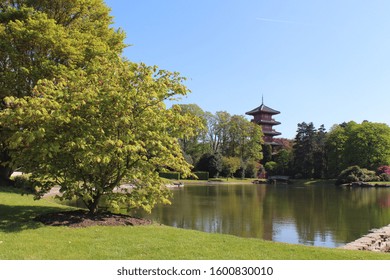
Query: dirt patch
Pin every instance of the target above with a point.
(80, 218)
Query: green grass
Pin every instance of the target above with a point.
(313, 182)
(218, 180)
(22, 238)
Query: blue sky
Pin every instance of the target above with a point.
(320, 61)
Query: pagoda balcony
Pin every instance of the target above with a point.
(271, 132)
(272, 122)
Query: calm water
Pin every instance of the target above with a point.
(321, 215)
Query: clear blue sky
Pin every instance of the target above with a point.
(324, 61)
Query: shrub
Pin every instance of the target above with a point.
(211, 163)
(356, 174)
(298, 176)
(271, 167)
(384, 169)
(252, 169)
(24, 183)
(384, 177)
(230, 166)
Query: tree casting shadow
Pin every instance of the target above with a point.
(19, 218)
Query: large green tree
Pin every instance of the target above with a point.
(303, 149)
(43, 39)
(245, 141)
(90, 130)
(194, 146)
(230, 165)
(309, 151)
(217, 132)
(233, 137)
(335, 148)
(366, 145)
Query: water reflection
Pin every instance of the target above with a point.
(320, 215)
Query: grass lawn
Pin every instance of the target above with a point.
(22, 238)
(217, 180)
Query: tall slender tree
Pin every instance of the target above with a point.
(319, 154)
(309, 151)
(303, 149)
(194, 146)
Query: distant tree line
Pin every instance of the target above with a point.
(230, 145)
(226, 145)
(316, 153)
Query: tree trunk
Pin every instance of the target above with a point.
(93, 206)
(5, 174)
(5, 170)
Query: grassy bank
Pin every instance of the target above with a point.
(306, 182)
(217, 180)
(314, 182)
(22, 238)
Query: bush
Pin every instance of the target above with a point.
(384, 177)
(384, 169)
(252, 169)
(356, 174)
(211, 163)
(24, 183)
(230, 166)
(298, 176)
(271, 167)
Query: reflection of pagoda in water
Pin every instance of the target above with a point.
(262, 116)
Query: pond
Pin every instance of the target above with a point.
(313, 215)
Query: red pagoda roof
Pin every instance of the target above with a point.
(273, 122)
(262, 109)
(271, 132)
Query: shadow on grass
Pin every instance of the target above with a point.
(18, 218)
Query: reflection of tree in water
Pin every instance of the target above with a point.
(384, 201)
(315, 214)
(323, 213)
(231, 209)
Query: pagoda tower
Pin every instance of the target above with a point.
(263, 116)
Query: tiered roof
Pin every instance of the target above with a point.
(262, 116)
(262, 109)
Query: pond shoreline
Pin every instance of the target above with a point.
(378, 240)
(366, 185)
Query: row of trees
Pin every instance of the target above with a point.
(225, 144)
(231, 145)
(315, 153)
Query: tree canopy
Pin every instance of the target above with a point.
(223, 138)
(366, 145)
(43, 39)
(78, 115)
(308, 151)
(93, 129)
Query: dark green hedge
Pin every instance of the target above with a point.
(170, 175)
(202, 175)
